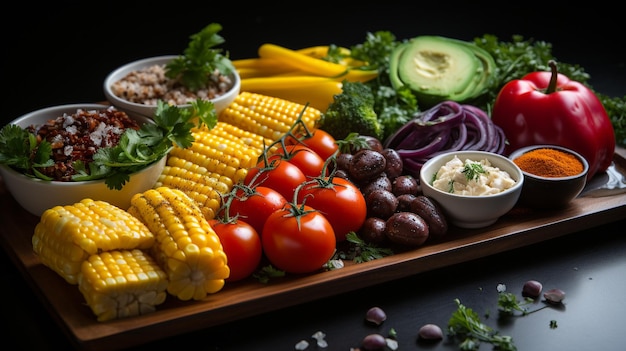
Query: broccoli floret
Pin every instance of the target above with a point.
(352, 111)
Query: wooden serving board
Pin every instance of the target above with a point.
(520, 227)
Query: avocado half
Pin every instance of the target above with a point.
(437, 68)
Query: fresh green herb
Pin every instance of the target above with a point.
(616, 109)
(20, 150)
(361, 251)
(473, 170)
(200, 60)
(465, 325)
(136, 149)
(508, 304)
(264, 274)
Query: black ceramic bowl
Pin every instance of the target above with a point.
(550, 192)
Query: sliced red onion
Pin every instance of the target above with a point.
(448, 126)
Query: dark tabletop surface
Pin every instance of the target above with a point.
(60, 53)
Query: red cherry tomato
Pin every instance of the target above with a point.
(280, 175)
(340, 201)
(300, 243)
(309, 162)
(254, 205)
(320, 141)
(242, 246)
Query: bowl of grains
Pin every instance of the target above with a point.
(47, 157)
(137, 86)
(553, 175)
(201, 73)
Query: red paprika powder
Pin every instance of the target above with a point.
(548, 162)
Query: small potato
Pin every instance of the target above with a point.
(343, 161)
(404, 184)
(395, 165)
(381, 203)
(373, 230)
(430, 211)
(404, 202)
(380, 182)
(366, 165)
(406, 228)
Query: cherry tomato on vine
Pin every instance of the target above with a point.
(242, 246)
(320, 141)
(309, 162)
(298, 239)
(254, 205)
(280, 175)
(339, 200)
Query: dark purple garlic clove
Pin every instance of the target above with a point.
(430, 332)
(554, 296)
(532, 288)
(375, 315)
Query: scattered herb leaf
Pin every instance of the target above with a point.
(200, 60)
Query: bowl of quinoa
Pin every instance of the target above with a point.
(137, 86)
(75, 132)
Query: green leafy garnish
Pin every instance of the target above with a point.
(465, 324)
(265, 273)
(361, 251)
(200, 60)
(473, 170)
(136, 149)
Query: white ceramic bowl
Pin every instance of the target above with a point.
(37, 195)
(469, 211)
(220, 102)
(551, 192)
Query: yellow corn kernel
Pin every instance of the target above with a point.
(186, 246)
(203, 187)
(66, 235)
(268, 116)
(122, 283)
(229, 131)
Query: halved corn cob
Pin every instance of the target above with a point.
(122, 283)
(66, 235)
(267, 116)
(211, 165)
(186, 246)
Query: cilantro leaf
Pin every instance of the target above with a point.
(200, 59)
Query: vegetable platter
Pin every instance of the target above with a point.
(243, 299)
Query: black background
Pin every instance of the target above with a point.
(60, 52)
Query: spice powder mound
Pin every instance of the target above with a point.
(550, 163)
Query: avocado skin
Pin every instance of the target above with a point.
(464, 85)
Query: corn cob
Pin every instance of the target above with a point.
(186, 246)
(267, 116)
(212, 164)
(67, 235)
(122, 283)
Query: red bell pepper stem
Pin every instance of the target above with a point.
(553, 78)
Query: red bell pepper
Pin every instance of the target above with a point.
(549, 108)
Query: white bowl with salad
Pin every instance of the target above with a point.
(38, 180)
(474, 188)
